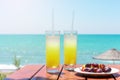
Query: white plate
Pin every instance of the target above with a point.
(113, 70)
(7, 68)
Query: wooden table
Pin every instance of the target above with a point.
(38, 72)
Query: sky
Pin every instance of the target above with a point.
(35, 16)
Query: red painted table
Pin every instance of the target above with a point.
(38, 72)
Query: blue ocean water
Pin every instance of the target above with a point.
(31, 48)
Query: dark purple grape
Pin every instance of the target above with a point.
(107, 69)
(86, 69)
(88, 65)
(90, 70)
(95, 69)
(95, 65)
(99, 70)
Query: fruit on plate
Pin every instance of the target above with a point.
(96, 68)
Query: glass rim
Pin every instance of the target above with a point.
(52, 31)
(67, 32)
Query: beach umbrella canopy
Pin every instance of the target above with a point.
(111, 54)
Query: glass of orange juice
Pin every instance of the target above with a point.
(70, 49)
(52, 51)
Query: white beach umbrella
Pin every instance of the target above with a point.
(111, 54)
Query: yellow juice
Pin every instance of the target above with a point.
(70, 50)
(52, 51)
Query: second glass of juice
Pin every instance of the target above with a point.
(52, 51)
(70, 49)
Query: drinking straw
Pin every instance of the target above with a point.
(53, 20)
(73, 16)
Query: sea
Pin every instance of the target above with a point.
(30, 48)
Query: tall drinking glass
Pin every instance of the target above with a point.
(52, 51)
(70, 49)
